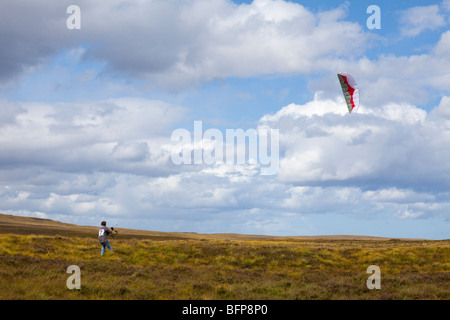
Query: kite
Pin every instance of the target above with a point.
(350, 90)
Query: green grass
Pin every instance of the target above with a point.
(34, 267)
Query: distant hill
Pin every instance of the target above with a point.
(31, 225)
(39, 226)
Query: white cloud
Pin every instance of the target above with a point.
(362, 164)
(442, 111)
(175, 43)
(411, 79)
(397, 144)
(106, 135)
(415, 20)
(134, 151)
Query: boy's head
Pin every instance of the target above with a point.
(103, 223)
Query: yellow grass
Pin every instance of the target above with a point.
(34, 267)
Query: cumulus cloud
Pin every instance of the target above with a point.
(397, 144)
(31, 33)
(415, 20)
(413, 79)
(176, 43)
(205, 40)
(392, 161)
(105, 135)
(388, 160)
(10, 111)
(82, 160)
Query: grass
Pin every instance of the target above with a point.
(34, 267)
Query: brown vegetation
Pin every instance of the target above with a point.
(192, 266)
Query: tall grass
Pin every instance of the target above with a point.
(34, 267)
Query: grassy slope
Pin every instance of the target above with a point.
(38, 226)
(191, 266)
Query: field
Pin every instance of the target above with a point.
(169, 266)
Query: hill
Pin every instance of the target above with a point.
(39, 226)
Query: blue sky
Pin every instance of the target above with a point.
(88, 115)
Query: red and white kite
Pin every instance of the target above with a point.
(350, 90)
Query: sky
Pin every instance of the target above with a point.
(91, 98)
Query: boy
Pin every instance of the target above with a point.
(103, 234)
